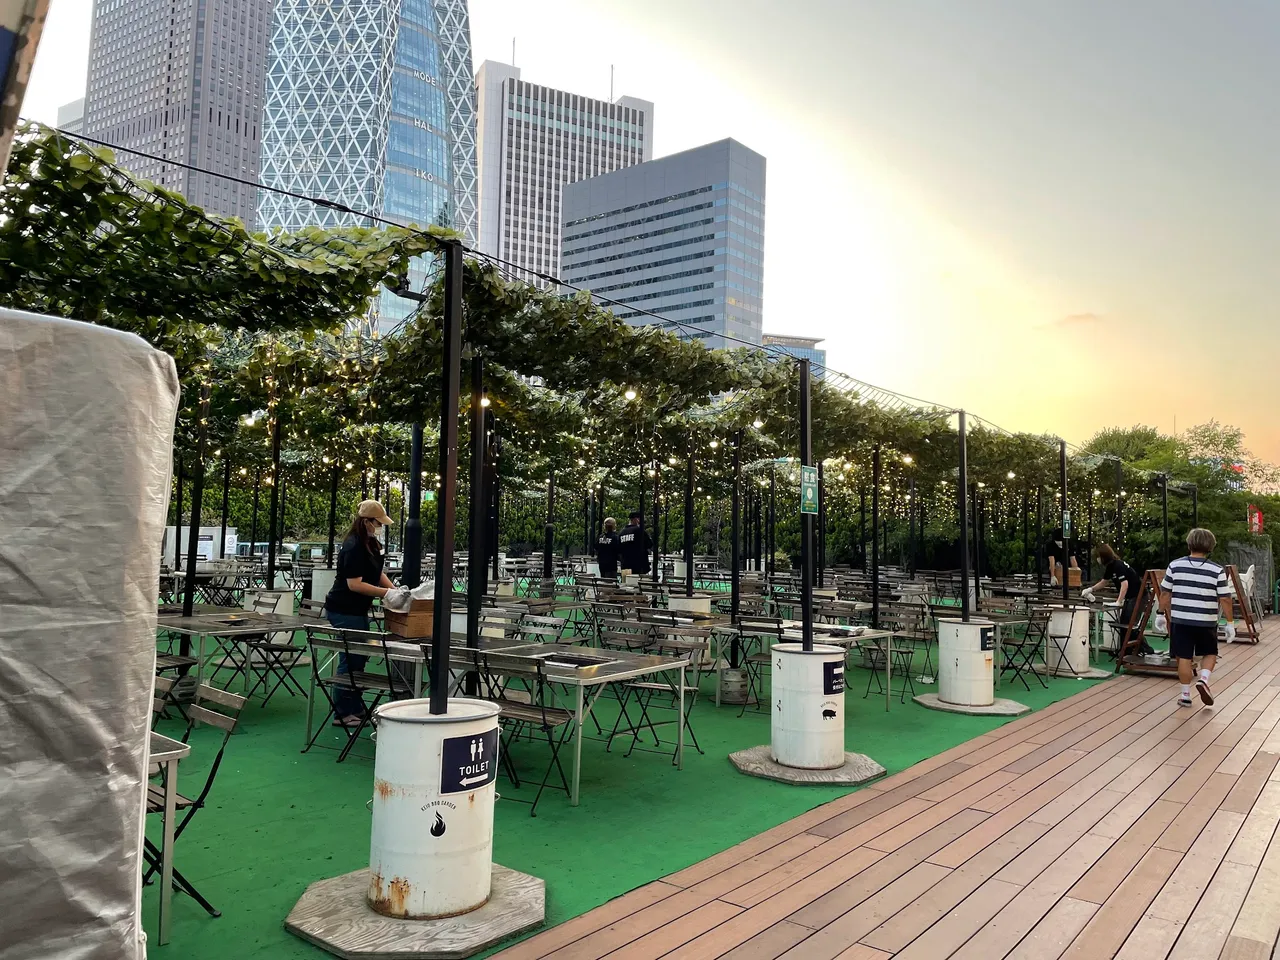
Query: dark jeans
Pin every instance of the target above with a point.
(348, 703)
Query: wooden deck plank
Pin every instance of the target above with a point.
(1111, 824)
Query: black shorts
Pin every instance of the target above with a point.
(1188, 640)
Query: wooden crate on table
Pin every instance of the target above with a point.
(416, 623)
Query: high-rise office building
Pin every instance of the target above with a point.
(71, 116)
(681, 237)
(802, 348)
(371, 104)
(181, 81)
(531, 141)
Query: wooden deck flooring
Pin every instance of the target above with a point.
(1111, 824)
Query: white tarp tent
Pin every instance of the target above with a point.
(86, 430)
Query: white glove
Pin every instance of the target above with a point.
(1162, 625)
(1087, 594)
(397, 600)
(1053, 581)
(1229, 631)
(425, 590)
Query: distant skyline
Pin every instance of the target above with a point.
(1061, 216)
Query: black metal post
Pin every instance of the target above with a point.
(962, 509)
(1119, 530)
(253, 531)
(283, 509)
(275, 497)
(759, 531)
(333, 514)
(688, 523)
(549, 529)
(377, 485)
(657, 518)
(1088, 559)
(411, 572)
(982, 560)
(364, 484)
(1066, 521)
(735, 549)
(862, 525)
(477, 574)
(806, 519)
(446, 503)
(197, 500)
(1026, 530)
(495, 495)
(177, 526)
(226, 504)
(666, 524)
(773, 519)
(875, 538)
(1040, 539)
(912, 558)
(1195, 507)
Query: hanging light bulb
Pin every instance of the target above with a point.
(1011, 475)
(714, 444)
(672, 461)
(484, 401)
(757, 423)
(630, 394)
(906, 458)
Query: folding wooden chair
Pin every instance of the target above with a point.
(1019, 650)
(371, 687)
(762, 633)
(535, 629)
(219, 709)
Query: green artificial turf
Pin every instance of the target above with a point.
(278, 820)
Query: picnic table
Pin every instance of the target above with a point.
(588, 672)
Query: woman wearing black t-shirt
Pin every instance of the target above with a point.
(359, 581)
(1125, 580)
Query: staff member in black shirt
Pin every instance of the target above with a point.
(359, 581)
(1056, 552)
(1125, 580)
(635, 546)
(608, 549)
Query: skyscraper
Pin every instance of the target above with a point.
(181, 81)
(681, 237)
(802, 348)
(531, 141)
(370, 103)
(71, 116)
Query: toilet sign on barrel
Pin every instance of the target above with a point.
(469, 762)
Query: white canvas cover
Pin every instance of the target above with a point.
(86, 430)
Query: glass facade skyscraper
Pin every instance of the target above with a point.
(370, 103)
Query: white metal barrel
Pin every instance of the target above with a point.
(808, 706)
(431, 844)
(698, 603)
(966, 655)
(1074, 624)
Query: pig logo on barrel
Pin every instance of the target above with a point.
(828, 711)
(437, 828)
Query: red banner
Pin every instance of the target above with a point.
(1255, 520)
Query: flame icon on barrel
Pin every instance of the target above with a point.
(437, 828)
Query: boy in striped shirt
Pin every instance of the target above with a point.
(1192, 593)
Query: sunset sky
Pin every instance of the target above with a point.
(1059, 215)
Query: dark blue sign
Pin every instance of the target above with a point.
(832, 678)
(468, 763)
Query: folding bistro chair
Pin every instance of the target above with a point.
(267, 656)
(690, 644)
(762, 632)
(874, 653)
(1019, 651)
(517, 717)
(535, 629)
(200, 711)
(372, 688)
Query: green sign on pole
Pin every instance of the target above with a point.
(429, 496)
(809, 490)
(1066, 524)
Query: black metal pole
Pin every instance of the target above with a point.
(1195, 507)
(283, 510)
(1088, 559)
(983, 561)
(411, 571)
(1039, 539)
(962, 508)
(862, 525)
(666, 524)
(657, 518)
(822, 527)
(377, 485)
(1119, 530)
(759, 531)
(1026, 530)
(1066, 521)
(549, 529)
(446, 503)
(226, 504)
(275, 497)
(364, 484)
(177, 526)
(253, 529)
(495, 495)
(1164, 513)
(912, 558)
(773, 519)
(875, 537)
(197, 500)
(333, 514)
(477, 574)
(735, 575)
(806, 519)
(688, 523)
